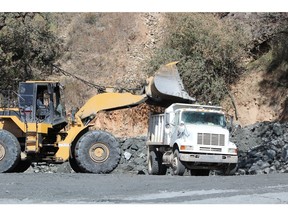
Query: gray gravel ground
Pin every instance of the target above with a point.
(131, 189)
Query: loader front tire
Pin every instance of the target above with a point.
(97, 152)
(74, 165)
(9, 151)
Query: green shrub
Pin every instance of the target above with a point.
(210, 51)
(28, 47)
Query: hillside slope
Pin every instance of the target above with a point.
(111, 49)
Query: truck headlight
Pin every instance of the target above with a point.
(232, 150)
(187, 148)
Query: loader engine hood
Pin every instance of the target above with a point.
(166, 87)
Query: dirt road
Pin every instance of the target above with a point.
(41, 188)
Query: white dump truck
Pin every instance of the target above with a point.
(192, 137)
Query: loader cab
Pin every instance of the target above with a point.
(42, 102)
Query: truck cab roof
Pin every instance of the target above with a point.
(194, 107)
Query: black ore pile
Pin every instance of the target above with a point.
(263, 148)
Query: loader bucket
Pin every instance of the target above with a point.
(166, 87)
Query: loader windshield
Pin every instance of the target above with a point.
(204, 118)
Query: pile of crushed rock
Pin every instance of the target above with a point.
(263, 149)
(133, 159)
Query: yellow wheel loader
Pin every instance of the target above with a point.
(35, 128)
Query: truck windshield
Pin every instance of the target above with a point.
(190, 117)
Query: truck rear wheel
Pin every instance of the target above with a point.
(177, 166)
(97, 152)
(155, 166)
(9, 151)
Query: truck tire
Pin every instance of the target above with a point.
(97, 152)
(162, 168)
(155, 166)
(199, 172)
(229, 169)
(177, 166)
(9, 151)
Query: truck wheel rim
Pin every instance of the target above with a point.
(149, 164)
(2, 152)
(175, 164)
(99, 152)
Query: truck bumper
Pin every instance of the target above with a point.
(208, 158)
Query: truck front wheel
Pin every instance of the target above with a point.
(177, 166)
(229, 169)
(97, 152)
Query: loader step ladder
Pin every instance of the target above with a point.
(31, 144)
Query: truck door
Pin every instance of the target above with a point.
(175, 124)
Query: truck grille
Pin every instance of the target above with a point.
(210, 149)
(211, 139)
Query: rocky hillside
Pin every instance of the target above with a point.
(112, 49)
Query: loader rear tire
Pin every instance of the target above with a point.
(97, 152)
(9, 151)
(21, 166)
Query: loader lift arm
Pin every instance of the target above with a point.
(109, 101)
(162, 89)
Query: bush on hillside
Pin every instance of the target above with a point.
(210, 51)
(28, 47)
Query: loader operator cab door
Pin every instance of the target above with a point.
(41, 102)
(26, 101)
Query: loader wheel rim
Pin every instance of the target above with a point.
(99, 152)
(2, 152)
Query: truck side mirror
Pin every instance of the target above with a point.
(230, 125)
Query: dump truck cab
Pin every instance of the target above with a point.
(42, 102)
(192, 137)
